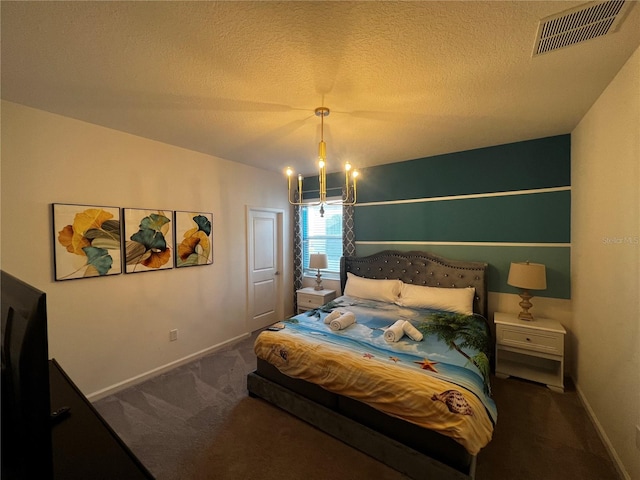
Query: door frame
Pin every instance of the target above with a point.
(279, 261)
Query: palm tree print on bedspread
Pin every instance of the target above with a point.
(461, 332)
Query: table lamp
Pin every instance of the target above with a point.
(527, 276)
(318, 261)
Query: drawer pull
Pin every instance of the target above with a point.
(528, 339)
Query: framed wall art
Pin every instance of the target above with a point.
(87, 241)
(194, 239)
(148, 240)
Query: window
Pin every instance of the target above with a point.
(322, 235)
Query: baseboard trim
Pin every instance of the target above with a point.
(110, 390)
(603, 435)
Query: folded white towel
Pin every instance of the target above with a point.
(343, 321)
(412, 332)
(332, 316)
(394, 332)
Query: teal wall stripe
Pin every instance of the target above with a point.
(499, 258)
(531, 218)
(531, 164)
(523, 212)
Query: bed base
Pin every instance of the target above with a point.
(397, 455)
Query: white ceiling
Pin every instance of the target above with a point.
(241, 80)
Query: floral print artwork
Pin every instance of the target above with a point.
(87, 241)
(148, 240)
(194, 231)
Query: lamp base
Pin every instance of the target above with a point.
(525, 304)
(318, 282)
(525, 316)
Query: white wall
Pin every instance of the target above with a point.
(109, 330)
(605, 263)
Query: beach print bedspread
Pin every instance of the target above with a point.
(440, 382)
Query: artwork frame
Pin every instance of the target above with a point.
(148, 240)
(87, 241)
(194, 231)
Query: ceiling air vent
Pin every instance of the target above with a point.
(579, 24)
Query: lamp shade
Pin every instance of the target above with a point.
(318, 260)
(530, 276)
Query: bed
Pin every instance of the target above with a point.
(391, 380)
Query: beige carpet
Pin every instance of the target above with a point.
(261, 442)
(197, 422)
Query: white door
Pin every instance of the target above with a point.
(265, 301)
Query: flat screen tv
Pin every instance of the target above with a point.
(26, 405)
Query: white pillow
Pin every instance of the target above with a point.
(459, 300)
(382, 290)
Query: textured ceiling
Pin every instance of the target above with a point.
(240, 80)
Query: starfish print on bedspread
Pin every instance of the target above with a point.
(427, 364)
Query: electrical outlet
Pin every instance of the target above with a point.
(638, 437)
(173, 335)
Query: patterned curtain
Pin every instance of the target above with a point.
(348, 235)
(297, 253)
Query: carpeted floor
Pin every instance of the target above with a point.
(197, 422)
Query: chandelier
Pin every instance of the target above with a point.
(350, 176)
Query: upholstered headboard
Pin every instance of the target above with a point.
(421, 268)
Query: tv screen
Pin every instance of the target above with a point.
(26, 406)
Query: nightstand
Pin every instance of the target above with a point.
(309, 298)
(532, 350)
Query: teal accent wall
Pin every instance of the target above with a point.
(541, 217)
(503, 210)
(531, 164)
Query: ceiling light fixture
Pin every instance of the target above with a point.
(350, 176)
